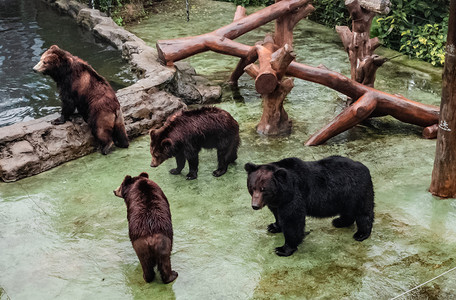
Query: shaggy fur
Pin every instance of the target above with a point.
(185, 133)
(293, 189)
(149, 225)
(82, 88)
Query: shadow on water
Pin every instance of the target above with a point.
(63, 234)
(27, 29)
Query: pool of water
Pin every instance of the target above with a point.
(64, 235)
(27, 29)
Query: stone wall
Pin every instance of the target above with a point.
(29, 148)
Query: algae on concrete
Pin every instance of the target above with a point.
(63, 234)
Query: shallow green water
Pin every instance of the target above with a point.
(63, 234)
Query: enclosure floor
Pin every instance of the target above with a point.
(64, 235)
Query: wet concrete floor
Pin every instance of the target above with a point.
(63, 234)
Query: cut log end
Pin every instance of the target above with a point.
(430, 132)
(266, 83)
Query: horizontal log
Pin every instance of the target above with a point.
(170, 51)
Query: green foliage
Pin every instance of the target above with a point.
(417, 28)
(330, 13)
(426, 42)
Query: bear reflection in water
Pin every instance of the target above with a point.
(82, 88)
(293, 189)
(185, 133)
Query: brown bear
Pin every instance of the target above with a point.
(149, 225)
(82, 88)
(185, 133)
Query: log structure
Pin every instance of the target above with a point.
(358, 44)
(443, 183)
(276, 59)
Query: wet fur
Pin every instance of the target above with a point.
(293, 189)
(185, 133)
(149, 225)
(82, 88)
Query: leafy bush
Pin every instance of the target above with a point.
(417, 28)
(330, 13)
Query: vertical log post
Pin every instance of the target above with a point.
(443, 183)
(358, 44)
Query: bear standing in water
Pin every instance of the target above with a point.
(149, 225)
(185, 133)
(293, 189)
(82, 88)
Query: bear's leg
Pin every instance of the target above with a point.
(163, 250)
(231, 154)
(294, 234)
(364, 225)
(164, 266)
(193, 167)
(120, 136)
(146, 258)
(180, 161)
(274, 227)
(102, 126)
(67, 110)
(343, 221)
(222, 163)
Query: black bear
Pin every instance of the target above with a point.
(185, 133)
(293, 189)
(149, 225)
(82, 88)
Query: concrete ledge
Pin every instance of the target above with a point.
(29, 148)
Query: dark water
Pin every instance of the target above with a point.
(27, 29)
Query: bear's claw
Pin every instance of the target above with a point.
(285, 250)
(175, 171)
(274, 228)
(172, 277)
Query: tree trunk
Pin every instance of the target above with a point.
(443, 183)
(360, 48)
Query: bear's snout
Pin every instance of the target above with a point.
(257, 200)
(37, 67)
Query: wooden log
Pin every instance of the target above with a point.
(443, 182)
(266, 80)
(285, 24)
(360, 48)
(398, 107)
(240, 13)
(274, 120)
(348, 118)
(280, 60)
(170, 51)
(250, 58)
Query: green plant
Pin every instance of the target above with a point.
(425, 42)
(330, 13)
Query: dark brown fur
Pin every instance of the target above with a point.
(82, 88)
(185, 133)
(149, 225)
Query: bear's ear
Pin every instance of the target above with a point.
(144, 174)
(127, 179)
(249, 167)
(281, 174)
(167, 143)
(152, 133)
(54, 47)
